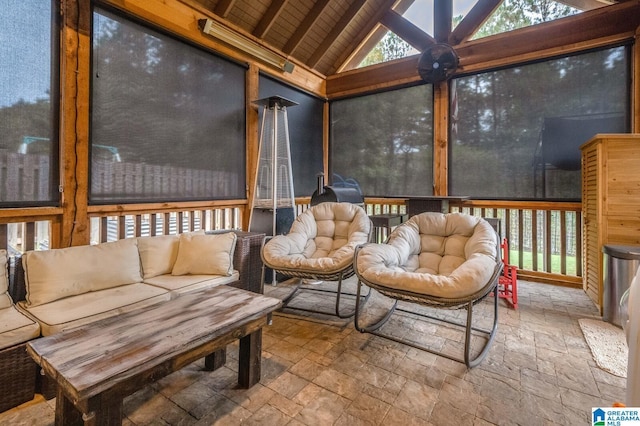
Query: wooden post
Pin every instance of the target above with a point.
(74, 132)
(253, 86)
(635, 85)
(440, 138)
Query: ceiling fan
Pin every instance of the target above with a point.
(437, 63)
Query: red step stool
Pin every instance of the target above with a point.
(508, 281)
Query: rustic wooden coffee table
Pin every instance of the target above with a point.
(95, 366)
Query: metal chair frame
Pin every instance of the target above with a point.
(338, 276)
(435, 302)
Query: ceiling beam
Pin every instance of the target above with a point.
(476, 17)
(337, 29)
(223, 8)
(554, 36)
(592, 29)
(366, 39)
(305, 26)
(442, 20)
(267, 20)
(586, 4)
(409, 32)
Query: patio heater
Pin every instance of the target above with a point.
(273, 209)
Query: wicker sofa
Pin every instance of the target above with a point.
(17, 370)
(64, 288)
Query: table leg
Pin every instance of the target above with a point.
(215, 360)
(109, 413)
(249, 359)
(66, 412)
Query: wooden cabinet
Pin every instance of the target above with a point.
(610, 201)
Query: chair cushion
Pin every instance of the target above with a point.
(449, 256)
(322, 238)
(16, 327)
(93, 306)
(185, 283)
(210, 254)
(55, 274)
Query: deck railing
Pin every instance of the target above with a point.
(108, 225)
(545, 239)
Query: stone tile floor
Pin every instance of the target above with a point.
(321, 371)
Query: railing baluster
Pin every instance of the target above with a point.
(563, 242)
(547, 241)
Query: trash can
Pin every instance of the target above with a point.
(619, 267)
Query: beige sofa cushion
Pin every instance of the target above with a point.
(210, 254)
(185, 283)
(158, 254)
(16, 328)
(450, 256)
(55, 274)
(322, 239)
(93, 306)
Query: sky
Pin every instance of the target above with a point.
(421, 12)
(21, 29)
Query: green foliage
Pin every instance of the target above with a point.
(514, 14)
(24, 119)
(390, 47)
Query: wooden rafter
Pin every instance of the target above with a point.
(224, 7)
(476, 17)
(529, 42)
(305, 26)
(442, 17)
(592, 29)
(409, 32)
(586, 4)
(267, 20)
(366, 39)
(337, 29)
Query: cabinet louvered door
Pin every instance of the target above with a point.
(591, 256)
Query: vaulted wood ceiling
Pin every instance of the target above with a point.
(330, 36)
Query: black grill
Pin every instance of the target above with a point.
(336, 194)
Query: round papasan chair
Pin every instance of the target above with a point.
(436, 260)
(319, 246)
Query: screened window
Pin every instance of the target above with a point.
(383, 142)
(28, 120)
(516, 133)
(168, 119)
(305, 133)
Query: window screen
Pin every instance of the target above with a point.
(168, 119)
(516, 133)
(28, 120)
(383, 142)
(305, 133)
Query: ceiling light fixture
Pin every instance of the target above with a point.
(237, 40)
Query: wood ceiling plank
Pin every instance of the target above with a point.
(409, 32)
(224, 7)
(265, 24)
(335, 32)
(305, 26)
(476, 17)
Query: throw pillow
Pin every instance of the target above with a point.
(205, 254)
